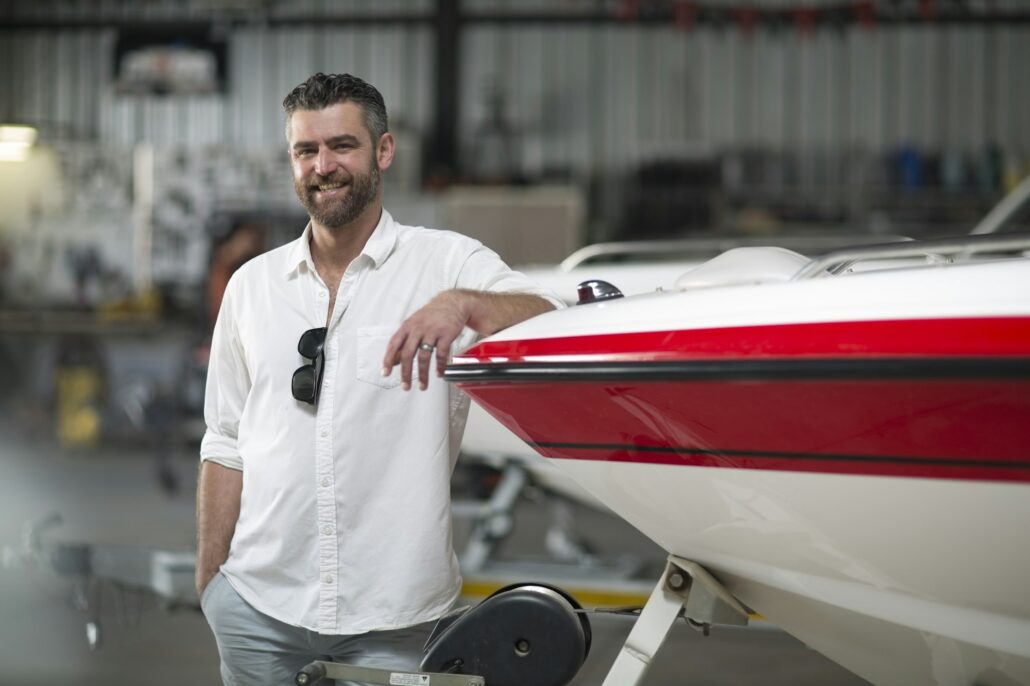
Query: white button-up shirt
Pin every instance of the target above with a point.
(345, 522)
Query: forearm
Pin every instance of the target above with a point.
(488, 313)
(218, 508)
(434, 327)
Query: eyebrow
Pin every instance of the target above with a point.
(344, 138)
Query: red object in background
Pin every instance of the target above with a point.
(746, 18)
(244, 242)
(804, 20)
(686, 15)
(865, 12)
(628, 9)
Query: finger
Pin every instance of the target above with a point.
(407, 355)
(443, 353)
(424, 358)
(392, 350)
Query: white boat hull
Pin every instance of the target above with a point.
(847, 456)
(934, 607)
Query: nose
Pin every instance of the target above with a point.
(325, 164)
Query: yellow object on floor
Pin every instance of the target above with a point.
(78, 395)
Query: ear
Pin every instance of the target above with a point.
(384, 151)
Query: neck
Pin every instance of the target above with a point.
(333, 248)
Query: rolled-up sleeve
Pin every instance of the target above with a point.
(484, 270)
(228, 384)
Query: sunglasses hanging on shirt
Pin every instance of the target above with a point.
(307, 380)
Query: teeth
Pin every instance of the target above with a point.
(329, 187)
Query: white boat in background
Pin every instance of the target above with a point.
(842, 443)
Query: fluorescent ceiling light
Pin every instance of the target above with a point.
(15, 142)
(12, 133)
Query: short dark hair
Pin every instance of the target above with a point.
(323, 90)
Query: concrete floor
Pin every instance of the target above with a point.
(111, 496)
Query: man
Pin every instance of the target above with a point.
(323, 504)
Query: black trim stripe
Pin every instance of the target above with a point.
(775, 455)
(863, 368)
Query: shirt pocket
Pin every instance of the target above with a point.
(370, 349)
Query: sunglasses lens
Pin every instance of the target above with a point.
(311, 343)
(307, 378)
(304, 383)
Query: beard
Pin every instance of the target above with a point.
(336, 212)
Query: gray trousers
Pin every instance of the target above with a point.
(256, 650)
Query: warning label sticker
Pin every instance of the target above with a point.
(401, 679)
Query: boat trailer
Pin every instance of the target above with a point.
(537, 634)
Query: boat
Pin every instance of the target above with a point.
(841, 444)
(638, 267)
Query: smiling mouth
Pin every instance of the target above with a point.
(328, 187)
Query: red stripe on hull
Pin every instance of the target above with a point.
(952, 429)
(995, 336)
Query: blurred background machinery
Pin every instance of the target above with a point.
(137, 138)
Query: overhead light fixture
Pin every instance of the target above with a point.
(15, 142)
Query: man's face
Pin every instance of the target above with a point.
(336, 165)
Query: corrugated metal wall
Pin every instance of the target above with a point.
(63, 80)
(599, 96)
(582, 97)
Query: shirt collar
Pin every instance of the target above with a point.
(300, 253)
(378, 247)
(382, 241)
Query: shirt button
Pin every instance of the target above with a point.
(324, 433)
(327, 530)
(329, 578)
(325, 483)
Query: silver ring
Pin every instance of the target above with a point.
(428, 347)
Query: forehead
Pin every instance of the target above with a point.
(341, 119)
